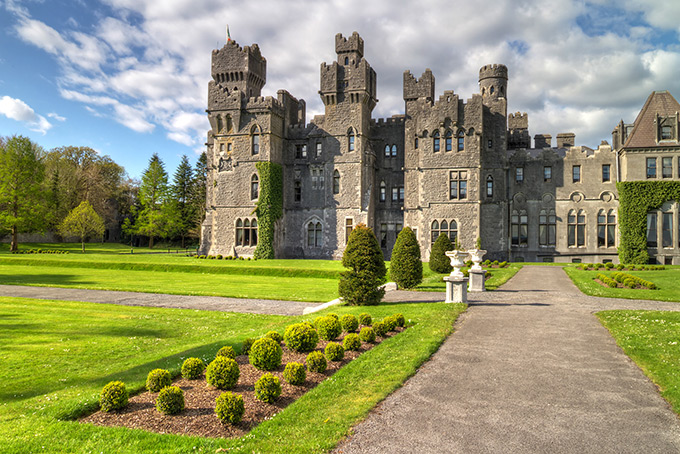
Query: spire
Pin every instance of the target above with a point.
(228, 35)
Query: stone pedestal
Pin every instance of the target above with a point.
(477, 281)
(456, 289)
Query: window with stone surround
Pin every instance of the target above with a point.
(387, 151)
(606, 228)
(383, 236)
(461, 140)
(415, 143)
(395, 194)
(449, 228)
(576, 174)
(255, 141)
(297, 191)
(300, 151)
(547, 228)
(576, 229)
(666, 133)
(547, 173)
(606, 173)
(349, 226)
(314, 234)
(652, 229)
(246, 232)
(351, 140)
(336, 182)
(489, 186)
(449, 141)
(254, 187)
(667, 167)
(458, 185)
(394, 151)
(435, 141)
(651, 167)
(317, 177)
(383, 191)
(667, 229)
(519, 174)
(319, 149)
(519, 228)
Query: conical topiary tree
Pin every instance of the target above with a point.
(406, 268)
(439, 262)
(360, 284)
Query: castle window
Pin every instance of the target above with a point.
(229, 145)
(239, 232)
(514, 228)
(221, 148)
(351, 141)
(383, 236)
(489, 186)
(502, 91)
(547, 173)
(490, 144)
(387, 151)
(547, 228)
(449, 229)
(346, 60)
(576, 174)
(435, 141)
(651, 229)
(314, 234)
(300, 151)
(491, 90)
(415, 144)
(394, 151)
(576, 229)
(349, 226)
(254, 187)
(255, 141)
(461, 140)
(523, 229)
(666, 133)
(395, 194)
(383, 191)
(606, 229)
(449, 141)
(606, 173)
(667, 167)
(319, 149)
(651, 167)
(667, 229)
(519, 174)
(246, 232)
(458, 185)
(336, 182)
(219, 124)
(297, 191)
(401, 194)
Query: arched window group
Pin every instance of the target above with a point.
(547, 228)
(246, 232)
(254, 187)
(448, 140)
(314, 234)
(576, 228)
(606, 228)
(436, 145)
(519, 228)
(390, 151)
(449, 228)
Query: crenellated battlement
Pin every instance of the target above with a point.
(352, 44)
(496, 71)
(422, 87)
(518, 120)
(395, 120)
(264, 103)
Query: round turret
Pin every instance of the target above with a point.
(493, 81)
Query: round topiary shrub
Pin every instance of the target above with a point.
(367, 334)
(400, 319)
(265, 354)
(301, 337)
(365, 319)
(630, 283)
(380, 329)
(192, 368)
(229, 408)
(349, 323)
(275, 336)
(316, 362)
(170, 400)
(114, 396)
(294, 373)
(391, 322)
(227, 351)
(245, 347)
(334, 351)
(268, 388)
(406, 268)
(334, 315)
(439, 262)
(157, 380)
(222, 373)
(351, 342)
(328, 328)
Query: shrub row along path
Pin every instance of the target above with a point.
(529, 369)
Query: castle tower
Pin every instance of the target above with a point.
(236, 68)
(493, 81)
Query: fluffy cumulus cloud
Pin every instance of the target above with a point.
(18, 110)
(574, 66)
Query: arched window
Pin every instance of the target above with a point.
(219, 124)
(297, 191)
(435, 141)
(514, 228)
(346, 60)
(547, 228)
(254, 187)
(394, 151)
(246, 232)
(448, 228)
(461, 140)
(489, 186)
(383, 191)
(435, 231)
(239, 232)
(387, 151)
(576, 229)
(253, 233)
(523, 229)
(491, 90)
(449, 141)
(351, 140)
(314, 234)
(255, 146)
(606, 229)
(336, 182)
(415, 143)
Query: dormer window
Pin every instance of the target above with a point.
(666, 133)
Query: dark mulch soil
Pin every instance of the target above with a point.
(198, 417)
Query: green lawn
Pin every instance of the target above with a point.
(57, 355)
(666, 281)
(652, 340)
(433, 282)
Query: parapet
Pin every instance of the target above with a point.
(542, 141)
(496, 71)
(353, 43)
(566, 139)
(419, 88)
(518, 120)
(395, 120)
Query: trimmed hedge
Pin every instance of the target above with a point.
(351, 342)
(334, 351)
(365, 319)
(328, 328)
(439, 262)
(606, 280)
(361, 284)
(349, 323)
(406, 268)
(316, 362)
(623, 277)
(227, 351)
(367, 334)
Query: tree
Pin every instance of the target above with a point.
(182, 188)
(406, 268)
(156, 215)
(361, 285)
(82, 222)
(439, 262)
(198, 193)
(23, 194)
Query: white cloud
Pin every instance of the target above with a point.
(18, 110)
(56, 116)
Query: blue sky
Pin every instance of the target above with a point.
(129, 77)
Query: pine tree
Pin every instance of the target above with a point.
(406, 268)
(82, 222)
(361, 284)
(182, 188)
(157, 216)
(439, 262)
(198, 192)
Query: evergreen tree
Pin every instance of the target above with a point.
(157, 215)
(406, 268)
(82, 222)
(182, 188)
(361, 284)
(198, 192)
(439, 262)
(23, 195)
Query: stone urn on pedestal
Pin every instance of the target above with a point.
(456, 282)
(477, 274)
(476, 256)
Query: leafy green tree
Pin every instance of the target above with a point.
(360, 285)
(156, 216)
(406, 268)
(439, 262)
(182, 188)
(198, 193)
(82, 222)
(23, 195)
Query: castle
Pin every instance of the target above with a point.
(448, 165)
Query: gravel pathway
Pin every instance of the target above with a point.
(531, 370)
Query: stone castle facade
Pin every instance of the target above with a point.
(461, 167)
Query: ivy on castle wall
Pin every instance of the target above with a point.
(269, 207)
(636, 198)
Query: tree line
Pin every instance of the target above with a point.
(75, 192)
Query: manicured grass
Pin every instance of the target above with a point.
(650, 338)
(666, 281)
(73, 248)
(433, 282)
(58, 355)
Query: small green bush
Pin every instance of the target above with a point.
(245, 347)
(227, 351)
(380, 328)
(328, 328)
(630, 283)
(406, 268)
(114, 396)
(439, 261)
(192, 368)
(219, 257)
(268, 388)
(294, 373)
(503, 264)
(360, 288)
(301, 337)
(157, 380)
(229, 408)
(275, 336)
(495, 262)
(316, 362)
(349, 323)
(609, 265)
(334, 315)
(367, 335)
(334, 351)
(351, 342)
(400, 319)
(265, 354)
(597, 266)
(170, 400)
(222, 373)
(365, 319)
(620, 266)
(390, 322)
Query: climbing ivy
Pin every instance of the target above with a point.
(269, 207)
(636, 198)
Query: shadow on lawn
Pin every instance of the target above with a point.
(41, 279)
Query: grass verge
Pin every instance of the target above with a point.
(58, 355)
(433, 282)
(666, 281)
(650, 338)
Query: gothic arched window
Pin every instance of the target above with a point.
(254, 187)
(336, 182)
